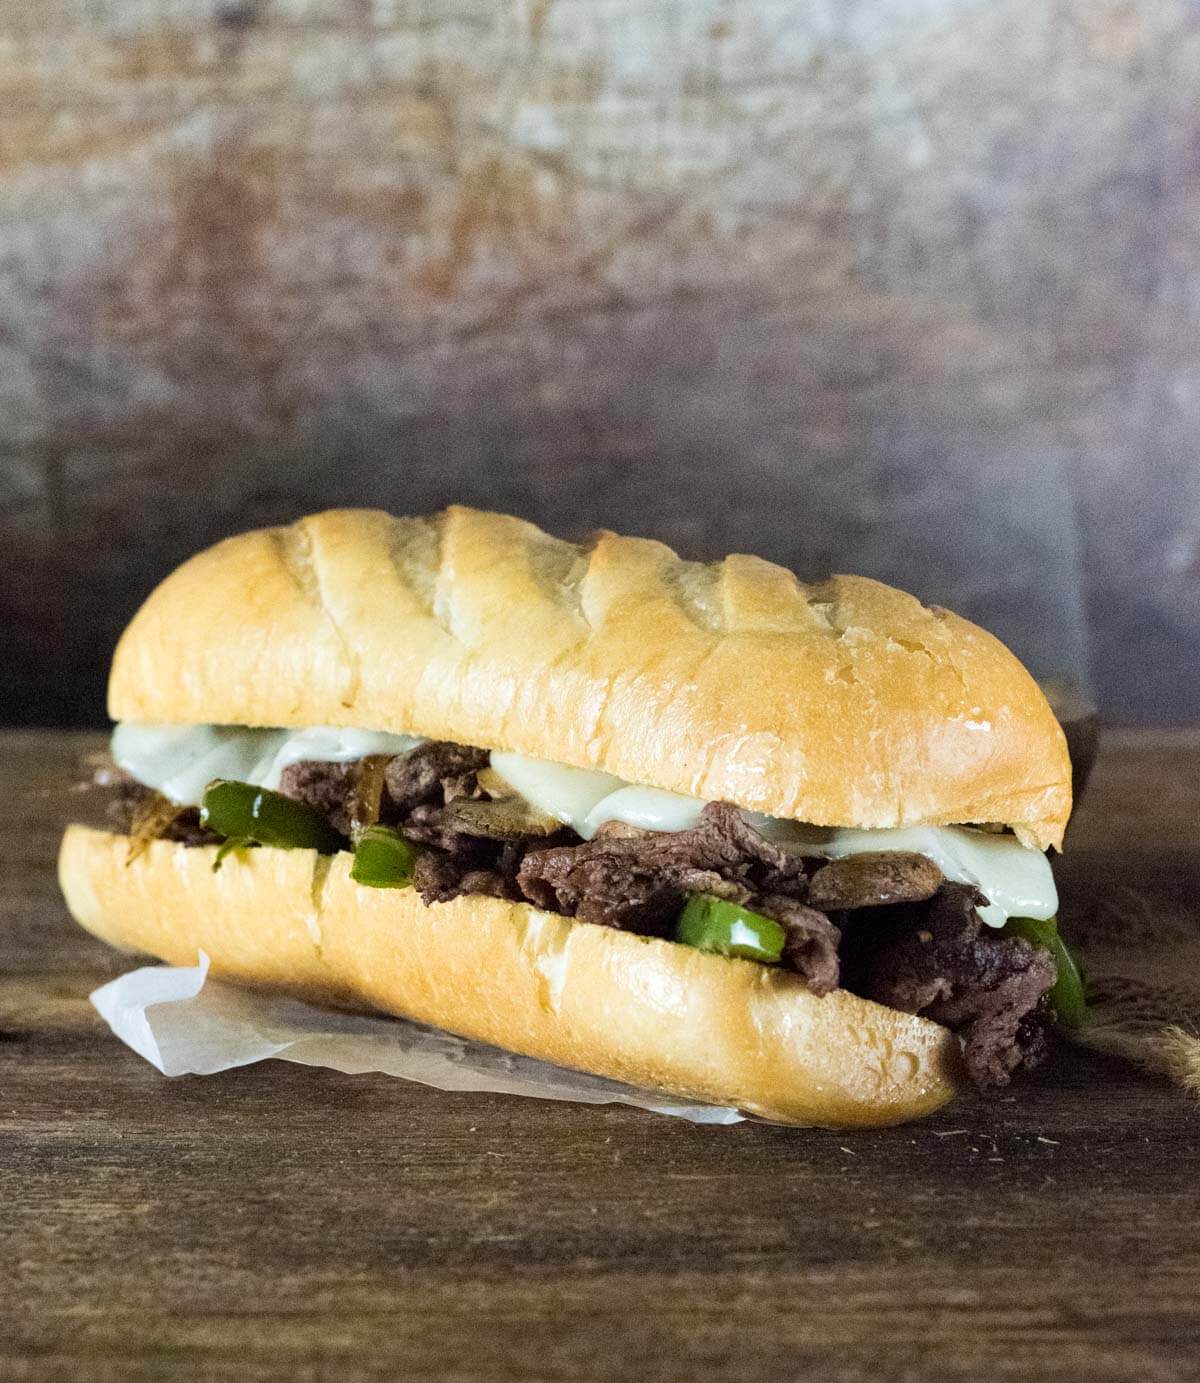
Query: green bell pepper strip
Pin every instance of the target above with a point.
(228, 846)
(1067, 998)
(257, 815)
(383, 859)
(712, 924)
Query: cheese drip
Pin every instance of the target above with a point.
(1016, 880)
(181, 760)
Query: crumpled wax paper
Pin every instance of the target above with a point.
(186, 1024)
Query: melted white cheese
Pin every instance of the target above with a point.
(1017, 881)
(568, 794)
(585, 800)
(181, 760)
(652, 808)
(333, 745)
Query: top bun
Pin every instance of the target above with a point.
(846, 703)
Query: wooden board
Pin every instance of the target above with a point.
(279, 1223)
(758, 276)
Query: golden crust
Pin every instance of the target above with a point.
(648, 1012)
(846, 703)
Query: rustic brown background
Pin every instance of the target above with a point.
(753, 275)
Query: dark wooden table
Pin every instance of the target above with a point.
(285, 1223)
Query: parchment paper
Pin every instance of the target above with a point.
(186, 1024)
(1144, 1006)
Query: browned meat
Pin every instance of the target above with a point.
(905, 937)
(811, 948)
(871, 881)
(465, 817)
(328, 788)
(442, 875)
(436, 772)
(637, 881)
(987, 988)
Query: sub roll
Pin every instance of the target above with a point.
(698, 827)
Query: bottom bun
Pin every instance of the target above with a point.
(652, 1013)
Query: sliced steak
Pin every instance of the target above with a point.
(988, 988)
(638, 881)
(632, 881)
(811, 947)
(474, 866)
(904, 936)
(328, 788)
(614, 888)
(509, 818)
(874, 880)
(433, 773)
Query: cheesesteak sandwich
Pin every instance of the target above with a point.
(700, 828)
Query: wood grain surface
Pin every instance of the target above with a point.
(902, 286)
(280, 1223)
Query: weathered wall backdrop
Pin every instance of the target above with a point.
(751, 275)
